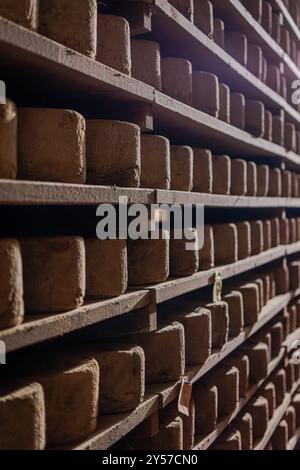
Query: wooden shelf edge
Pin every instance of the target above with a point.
(271, 47)
(16, 192)
(173, 288)
(165, 11)
(169, 392)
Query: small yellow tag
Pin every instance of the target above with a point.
(218, 286)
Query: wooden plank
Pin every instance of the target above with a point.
(260, 444)
(267, 314)
(184, 124)
(112, 428)
(204, 442)
(15, 192)
(37, 329)
(137, 13)
(291, 339)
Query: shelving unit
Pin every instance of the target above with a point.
(98, 81)
(168, 25)
(54, 75)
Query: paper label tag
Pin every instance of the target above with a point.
(185, 397)
(218, 286)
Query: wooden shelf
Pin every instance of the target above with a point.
(168, 25)
(234, 13)
(65, 76)
(278, 5)
(204, 442)
(168, 392)
(37, 329)
(260, 444)
(190, 126)
(41, 62)
(175, 287)
(295, 336)
(112, 428)
(15, 192)
(215, 200)
(294, 441)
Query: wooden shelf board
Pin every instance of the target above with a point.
(17, 192)
(295, 336)
(187, 125)
(168, 392)
(41, 58)
(176, 287)
(267, 314)
(37, 329)
(235, 13)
